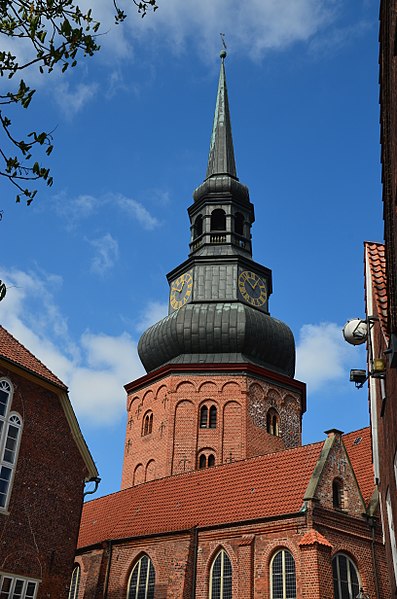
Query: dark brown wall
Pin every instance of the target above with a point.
(39, 534)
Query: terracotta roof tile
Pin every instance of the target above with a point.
(13, 351)
(312, 537)
(358, 447)
(376, 260)
(260, 487)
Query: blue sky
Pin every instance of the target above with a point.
(86, 262)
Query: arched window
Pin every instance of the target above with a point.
(74, 583)
(337, 493)
(142, 580)
(208, 416)
(211, 460)
(239, 223)
(198, 226)
(282, 575)
(204, 417)
(345, 575)
(213, 417)
(272, 422)
(221, 577)
(10, 433)
(202, 461)
(218, 220)
(147, 424)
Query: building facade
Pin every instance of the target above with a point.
(44, 466)
(381, 298)
(219, 498)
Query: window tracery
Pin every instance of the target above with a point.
(221, 577)
(283, 575)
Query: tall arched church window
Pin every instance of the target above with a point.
(198, 226)
(213, 417)
(283, 576)
(147, 424)
(204, 417)
(218, 220)
(239, 223)
(273, 422)
(142, 580)
(221, 577)
(345, 575)
(208, 416)
(74, 583)
(10, 433)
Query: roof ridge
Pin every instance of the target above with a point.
(215, 468)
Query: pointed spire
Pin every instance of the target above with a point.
(221, 156)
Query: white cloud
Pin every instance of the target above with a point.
(323, 356)
(154, 312)
(74, 210)
(252, 27)
(72, 100)
(107, 253)
(136, 210)
(95, 367)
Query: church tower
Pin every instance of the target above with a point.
(219, 385)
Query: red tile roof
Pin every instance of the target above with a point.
(14, 352)
(376, 259)
(260, 487)
(312, 537)
(358, 447)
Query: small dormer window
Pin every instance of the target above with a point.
(239, 223)
(218, 220)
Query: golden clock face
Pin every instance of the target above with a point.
(181, 290)
(252, 288)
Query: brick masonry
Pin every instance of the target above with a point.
(39, 532)
(176, 439)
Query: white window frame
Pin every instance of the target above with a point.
(283, 551)
(74, 583)
(349, 581)
(8, 419)
(392, 534)
(138, 565)
(14, 580)
(222, 554)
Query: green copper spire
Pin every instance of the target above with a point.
(221, 156)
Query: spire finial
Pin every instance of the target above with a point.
(223, 52)
(221, 157)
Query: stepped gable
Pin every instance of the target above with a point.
(260, 487)
(14, 352)
(358, 447)
(376, 258)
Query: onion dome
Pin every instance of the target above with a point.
(219, 333)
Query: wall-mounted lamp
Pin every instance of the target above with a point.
(356, 332)
(358, 377)
(362, 595)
